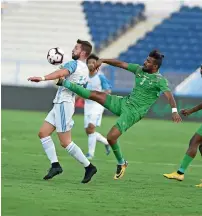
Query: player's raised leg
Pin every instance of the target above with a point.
(49, 146)
(114, 104)
(64, 124)
(97, 96)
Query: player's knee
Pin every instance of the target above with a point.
(193, 147)
(65, 144)
(193, 143)
(90, 129)
(111, 138)
(42, 134)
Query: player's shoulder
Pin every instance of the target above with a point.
(160, 77)
(106, 85)
(102, 76)
(71, 66)
(162, 80)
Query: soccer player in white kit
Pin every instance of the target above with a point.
(60, 117)
(92, 110)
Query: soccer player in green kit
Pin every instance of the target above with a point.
(195, 143)
(132, 108)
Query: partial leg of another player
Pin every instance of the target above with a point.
(99, 137)
(194, 145)
(199, 185)
(200, 149)
(90, 131)
(91, 121)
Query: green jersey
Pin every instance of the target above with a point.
(147, 90)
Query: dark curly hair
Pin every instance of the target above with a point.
(157, 56)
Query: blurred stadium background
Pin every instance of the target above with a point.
(126, 30)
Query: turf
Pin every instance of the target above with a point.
(152, 148)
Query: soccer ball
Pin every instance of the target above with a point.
(55, 56)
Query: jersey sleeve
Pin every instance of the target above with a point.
(104, 82)
(71, 66)
(163, 85)
(133, 67)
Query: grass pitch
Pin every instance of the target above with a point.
(151, 147)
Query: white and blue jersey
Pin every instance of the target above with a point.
(79, 74)
(98, 82)
(61, 114)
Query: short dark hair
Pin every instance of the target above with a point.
(86, 46)
(157, 56)
(92, 56)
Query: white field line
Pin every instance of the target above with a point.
(114, 161)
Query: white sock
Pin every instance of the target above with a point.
(49, 148)
(101, 138)
(91, 144)
(76, 152)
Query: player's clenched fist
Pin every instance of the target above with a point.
(176, 117)
(35, 79)
(185, 112)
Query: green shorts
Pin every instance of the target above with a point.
(128, 116)
(199, 131)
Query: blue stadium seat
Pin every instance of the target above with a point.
(178, 37)
(109, 19)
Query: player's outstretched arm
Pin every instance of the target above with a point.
(52, 76)
(175, 116)
(113, 62)
(187, 112)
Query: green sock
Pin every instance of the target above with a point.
(185, 163)
(118, 154)
(79, 90)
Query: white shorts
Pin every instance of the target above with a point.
(94, 119)
(61, 116)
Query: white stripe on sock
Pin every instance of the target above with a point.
(101, 138)
(76, 152)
